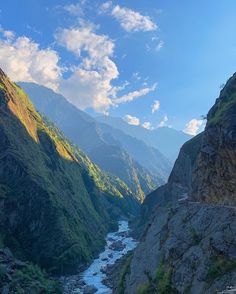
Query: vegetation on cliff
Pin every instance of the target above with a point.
(56, 205)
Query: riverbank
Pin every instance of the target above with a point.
(95, 279)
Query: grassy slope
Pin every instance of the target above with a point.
(53, 212)
(104, 146)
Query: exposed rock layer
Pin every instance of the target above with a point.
(188, 244)
(193, 244)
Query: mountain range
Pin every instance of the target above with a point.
(167, 140)
(141, 167)
(66, 178)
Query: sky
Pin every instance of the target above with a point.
(153, 63)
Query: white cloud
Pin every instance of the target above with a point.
(74, 9)
(6, 33)
(159, 45)
(135, 94)
(130, 20)
(87, 89)
(23, 60)
(133, 21)
(164, 121)
(105, 7)
(193, 126)
(147, 125)
(156, 106)
(81, 39)
(88, 83)
(91, 82)
(136, 76)
(132, 120)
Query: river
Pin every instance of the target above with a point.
(91, 280)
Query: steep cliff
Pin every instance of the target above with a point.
(56, 205)
(179, 185)
(214, 179)
(188, 243)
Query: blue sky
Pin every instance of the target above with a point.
(120, 57)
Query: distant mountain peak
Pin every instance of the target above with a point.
(167, 140)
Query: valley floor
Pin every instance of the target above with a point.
(94, 279)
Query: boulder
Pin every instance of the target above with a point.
(89, 290)
(117, 246)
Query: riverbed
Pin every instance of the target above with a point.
(92, 279)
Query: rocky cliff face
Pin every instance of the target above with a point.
(179, 185)
(188, 244)
(214, 179)
(190, 248)
(56, 205)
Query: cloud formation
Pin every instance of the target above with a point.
(156, 106)
(193, 126)
(135, 94)
(159, 45)
(132, 120)
(87, 84)
(74, 9)
(147, 125)
(164, 121)
(90, 84)
(130, 20)
(23, 60)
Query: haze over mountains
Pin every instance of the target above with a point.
(167, 140)
(139, 165)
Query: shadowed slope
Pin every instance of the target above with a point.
(53, 211)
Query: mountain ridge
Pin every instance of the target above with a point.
(102, 146)
(52, 208)
(167, 140)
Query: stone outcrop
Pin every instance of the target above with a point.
(187, 249)
(214, 178)
(188, 242)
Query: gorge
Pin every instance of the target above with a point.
(60, 212)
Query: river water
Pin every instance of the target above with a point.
(91, 280)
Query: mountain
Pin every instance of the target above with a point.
(141, 167)
(167, 140)
(147, 156)
(56, 205)
(188, 239)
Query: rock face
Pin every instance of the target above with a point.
(179, 185)
(188, 241)
(187, 249)
(214, 179)
(56, 205)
